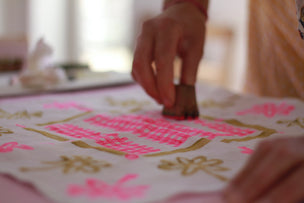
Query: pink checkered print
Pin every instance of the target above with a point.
(111, 141)
(158, 130)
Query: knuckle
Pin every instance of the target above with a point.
(148, 24)
(169, 24)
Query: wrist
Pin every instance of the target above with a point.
(201, 5)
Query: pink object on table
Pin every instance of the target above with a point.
(10, 146)
(9, 187)
(14, 191)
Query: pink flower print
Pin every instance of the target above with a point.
(10, 146)
(66, 105)
(94, 188)
(269, 109)
(246, 150)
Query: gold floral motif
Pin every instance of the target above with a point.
(297, 122)
(5, 131)
(19, 114)
(71, 165)
(191, 166)
(214, 104)
(134, 105)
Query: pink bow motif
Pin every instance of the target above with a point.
(66, 105)
(10, 146)
(95, 188)
(269, 109)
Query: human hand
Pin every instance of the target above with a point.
(178, 31)
(275, 173)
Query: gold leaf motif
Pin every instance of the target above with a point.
(264, 131)
(214, 104)
(133, 104)
(72, 165)
(20, 114)
(65, 120)
(192, 166)
(224, 104)
(5, 131)
(296, 122)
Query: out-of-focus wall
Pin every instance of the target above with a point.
(13, 18)
(234, 14)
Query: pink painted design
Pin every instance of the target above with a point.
(246, 150)
(66, 105)
(111, 141)
(224, 129)
(131, 156)
(48, 143)
(94, 188)
(159, 129)
(269, 109)
(10, 146)
(21, 126)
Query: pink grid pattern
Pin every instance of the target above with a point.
(111, 141)
(158, 130)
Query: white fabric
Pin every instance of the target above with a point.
(37, 144)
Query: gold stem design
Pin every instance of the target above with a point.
(266, 132)
(49, 135)
(103, 149)
(197, 145)
(222, 178)
(25, 169)
(65, 120)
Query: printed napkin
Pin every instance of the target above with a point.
(113, 145)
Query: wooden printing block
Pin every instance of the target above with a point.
(185, 106)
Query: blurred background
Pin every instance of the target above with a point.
(102, 34)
